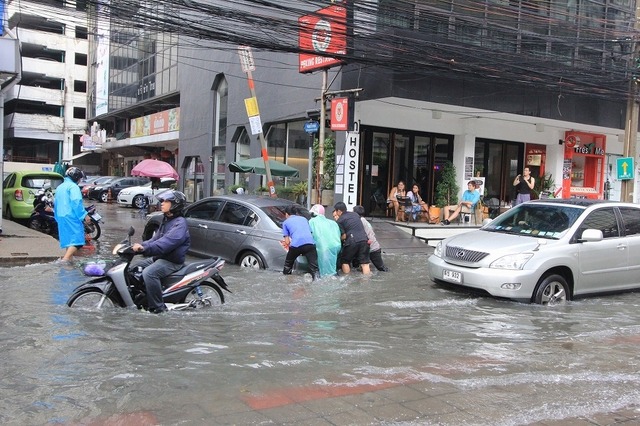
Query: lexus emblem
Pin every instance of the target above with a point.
(460, 254)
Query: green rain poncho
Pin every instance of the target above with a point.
(326, 234)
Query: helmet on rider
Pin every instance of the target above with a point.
(75, 174)
(177, 198)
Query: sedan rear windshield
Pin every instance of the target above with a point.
(536, 220)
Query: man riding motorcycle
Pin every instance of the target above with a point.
(166, 250)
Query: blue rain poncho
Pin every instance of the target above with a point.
(326, 234)
(69, 213)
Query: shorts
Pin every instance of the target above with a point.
(358, 252)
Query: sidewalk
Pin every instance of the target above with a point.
(20, 246)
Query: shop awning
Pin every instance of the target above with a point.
(82, 154)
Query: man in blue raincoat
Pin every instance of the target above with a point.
(70, 212)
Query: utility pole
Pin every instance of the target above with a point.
(323, 116)
(248, 65)
(631, 122)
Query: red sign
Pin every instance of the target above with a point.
(325, 33)
(340, 114)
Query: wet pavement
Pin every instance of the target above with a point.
(390, 349)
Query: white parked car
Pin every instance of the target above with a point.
(138, 196)
(547, 252)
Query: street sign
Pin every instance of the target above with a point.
(625, 168)
(246, 59)
(311, 126)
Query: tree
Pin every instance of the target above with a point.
(447, 187)
(329, 167)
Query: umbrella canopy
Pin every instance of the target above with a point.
(256, 165)
(154, 169)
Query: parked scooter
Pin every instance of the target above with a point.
(42, 218)
(196, 285)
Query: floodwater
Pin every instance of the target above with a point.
(505, 363)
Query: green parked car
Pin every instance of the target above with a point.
(19, 189)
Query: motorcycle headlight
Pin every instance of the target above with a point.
(511, 261)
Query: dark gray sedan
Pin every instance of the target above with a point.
(242, 229)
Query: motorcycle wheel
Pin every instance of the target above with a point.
(91, 299)
(92, 229)
(211, 296)
(36, 224)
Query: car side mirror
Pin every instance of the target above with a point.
(590, 236)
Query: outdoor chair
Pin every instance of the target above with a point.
(467, 214)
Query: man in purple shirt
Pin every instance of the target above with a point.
(299, 241)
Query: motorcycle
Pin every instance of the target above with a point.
(43, 220)
(196, 285)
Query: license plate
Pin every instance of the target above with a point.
(96, 217)
(453, 276)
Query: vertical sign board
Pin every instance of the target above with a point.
(624, 168)
(351, 167)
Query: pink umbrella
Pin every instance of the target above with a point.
(154, 168)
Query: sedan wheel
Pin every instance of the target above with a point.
(251, 260)
(553, 290)
(104, 196)
(139, 201)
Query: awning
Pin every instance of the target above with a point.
(82, 154)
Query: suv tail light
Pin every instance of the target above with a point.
(18, 195)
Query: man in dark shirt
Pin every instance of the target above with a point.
(166, 250)
(354, 239)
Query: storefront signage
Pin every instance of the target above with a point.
(154, 124)
(589, 148)
(351, 169)
(324, 33)
(340, 114)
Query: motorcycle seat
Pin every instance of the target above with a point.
(191, 267)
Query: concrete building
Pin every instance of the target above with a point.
(492, 86)
(45, 115)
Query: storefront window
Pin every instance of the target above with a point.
(193, 172)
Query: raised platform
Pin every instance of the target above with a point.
(434, 233)
(428, 233)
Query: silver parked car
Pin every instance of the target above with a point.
(138, 196)
(242, 229)
(546, 251)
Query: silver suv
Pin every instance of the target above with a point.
(546, 251)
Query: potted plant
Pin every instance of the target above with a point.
(262, 190)
(299, 191)
(233, 188)
(543, 188)
(446, 191)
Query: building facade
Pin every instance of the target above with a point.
(45, 114)
(492, 86)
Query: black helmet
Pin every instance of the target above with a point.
(177, 198)
(74, 173)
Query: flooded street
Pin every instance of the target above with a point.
(389, 349)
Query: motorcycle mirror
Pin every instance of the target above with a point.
(131, 231)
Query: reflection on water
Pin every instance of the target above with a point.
(517, 363)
